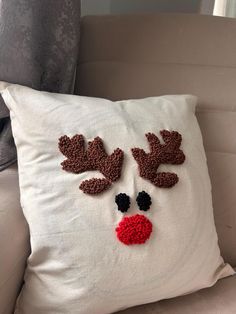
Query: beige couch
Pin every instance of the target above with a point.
(138, 56)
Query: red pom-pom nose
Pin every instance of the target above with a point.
(134, 230)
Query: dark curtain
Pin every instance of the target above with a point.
(39, 41)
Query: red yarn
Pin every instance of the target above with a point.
(134, 230)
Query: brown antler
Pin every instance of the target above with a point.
(167, 153)
(95, 158)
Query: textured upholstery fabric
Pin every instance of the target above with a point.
(219, 299)
(14, 240)
(145, 55)
(38, 48)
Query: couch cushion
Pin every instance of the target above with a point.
(219, 299)
(218, 128)
(148, 55)
(14, 240)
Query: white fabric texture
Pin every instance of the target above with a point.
(77, 264)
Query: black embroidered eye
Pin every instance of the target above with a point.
(144, 201)
(123, 202)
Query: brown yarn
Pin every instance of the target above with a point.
(165, 179)
(94, 186)
(74, 149)
(109, 166)
(94, 158)
(167, 153)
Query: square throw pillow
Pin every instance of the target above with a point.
(118, 201)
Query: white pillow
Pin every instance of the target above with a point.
(85, 253)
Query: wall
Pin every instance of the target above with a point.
(136, 6)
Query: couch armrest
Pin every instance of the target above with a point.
(14, 240)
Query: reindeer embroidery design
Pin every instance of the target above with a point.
(135, 229)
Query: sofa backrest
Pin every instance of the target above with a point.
(148, 55)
